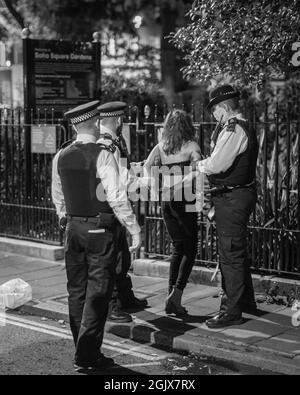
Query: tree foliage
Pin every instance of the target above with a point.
(10, 21)
(68, 19)
(249, 40)
(73, 19)
(135, 91)
(78, 19)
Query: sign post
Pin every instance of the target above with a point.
(58, 75)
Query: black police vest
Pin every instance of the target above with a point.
(77, 167)
(243, 169)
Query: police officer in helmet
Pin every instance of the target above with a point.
(231, 169)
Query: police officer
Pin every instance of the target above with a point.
(111, 123)
(231, 169)
(85, 191)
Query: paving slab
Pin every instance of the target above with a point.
(205, 302)
(271, 308)
(277, 319)
(45, 293)
(36, 276)
(159, 285)
(284, 343)
(195, 311)
(294, 332)
(30, 248)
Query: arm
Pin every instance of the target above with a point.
(152, 159)
(195, 157)
(56, 189)
(195, 153)
(125, 174)
(116, 191)
(145, 178)
(229, 145)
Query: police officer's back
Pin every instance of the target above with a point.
(85, 190)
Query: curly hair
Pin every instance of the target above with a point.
(178, 130)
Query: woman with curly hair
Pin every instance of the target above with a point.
(175, 154)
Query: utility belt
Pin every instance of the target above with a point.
(103, 220)
(219, 189)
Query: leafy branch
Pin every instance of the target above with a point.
(251, 41)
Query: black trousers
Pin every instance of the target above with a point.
(122, 292)
(182, 228)
(233, 210)
(91, 265)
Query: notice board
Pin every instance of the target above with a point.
(60, 74)
(43, 139)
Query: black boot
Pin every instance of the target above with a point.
(250, 308)
(127, 300)
(117, 315)
(135, 303)
(173, 303)
(222, 320)
(101, 364)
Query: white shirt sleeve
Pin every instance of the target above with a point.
(56, 189)
(116, 191)
(127, 175)
(229, 146)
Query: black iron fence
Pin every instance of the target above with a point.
(26, 209)
(274, 233)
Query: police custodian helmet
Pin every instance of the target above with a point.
(221, 93)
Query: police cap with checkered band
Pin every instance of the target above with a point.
(112, 109)
(83, 113)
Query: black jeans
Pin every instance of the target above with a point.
(91, 265)
(182, 229)
(233, 210)
(123, 287)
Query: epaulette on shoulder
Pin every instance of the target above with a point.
(231, 125)
(110, 148)
(66, 144)
(243, 123)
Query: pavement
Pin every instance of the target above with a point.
(268, 341)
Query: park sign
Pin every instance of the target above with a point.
(60, 75)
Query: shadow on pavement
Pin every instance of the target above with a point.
(115, 370)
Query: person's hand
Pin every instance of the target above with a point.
(194, 165)
(137, 168)
(136, 242)
(189, 177)
(207, 188)
(63, 223)
(137, 164)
